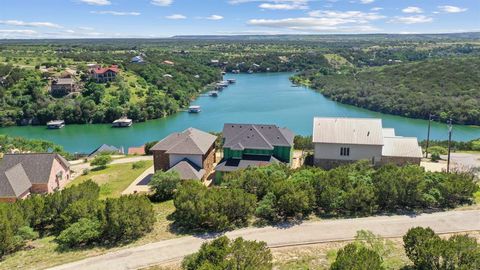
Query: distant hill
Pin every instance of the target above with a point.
(448, 87)
(346, 37)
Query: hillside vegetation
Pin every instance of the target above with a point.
(447, 88)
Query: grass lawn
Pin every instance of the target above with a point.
(477, 197)
(43, 253)
(114, 179)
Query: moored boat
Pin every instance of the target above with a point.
(56, 124)
(231, 81)
(213, 93)
(122, 122)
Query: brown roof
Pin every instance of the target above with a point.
(188, 170)
(37, 166)
(191, 141)
(364, 131)
(253, 136)
(13, 181)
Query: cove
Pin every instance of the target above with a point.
(256, 98)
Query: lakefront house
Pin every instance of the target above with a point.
(191, 153)
(339, 141)
(246, 145)
(25, 174)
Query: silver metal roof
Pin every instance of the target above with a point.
(364, 131)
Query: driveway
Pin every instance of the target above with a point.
(303, 234)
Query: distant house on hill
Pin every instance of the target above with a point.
(341, 141)
(103, 75)
(137, 59)
(168, 62)
(191, 153)
(63, 86)
(247, 145)
(25, 174)
(105, 148)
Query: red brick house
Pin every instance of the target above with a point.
(25, 174)
(103, 75)
(191, 153)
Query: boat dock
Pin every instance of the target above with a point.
(194, 109)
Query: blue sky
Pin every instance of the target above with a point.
(163, 18)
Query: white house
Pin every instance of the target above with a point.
(339, 141)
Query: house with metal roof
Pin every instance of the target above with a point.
(191, 153)
(339, 141)
(246, 145)
(23, 174)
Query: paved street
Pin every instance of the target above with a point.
(306, 233)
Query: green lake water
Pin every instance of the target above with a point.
(255, 98)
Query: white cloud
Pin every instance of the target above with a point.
(324, 21)
(30, 24)
(97, 2)
(412, 19)
(214, 17)
(376, 9)
(452, 9)
(162, 3)
(367, 1)
(284, 6)
(21, 32)
(176, 17)
(412, 10)
(116, 13)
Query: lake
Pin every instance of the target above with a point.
(255, 98)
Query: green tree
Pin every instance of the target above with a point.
(422, 248)
(82, 232)
(163, 185)
(101, 161)
(357, 257)
(223, 254)
(128, 217)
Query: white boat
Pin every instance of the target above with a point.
(56, 124)
(231, 81)
(194, 109)
(122, 122)
(213, 93)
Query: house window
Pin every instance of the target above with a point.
(345, 151)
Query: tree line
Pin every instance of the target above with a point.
(447, 87)
(76, 217)
(277, 193)
(423, 247)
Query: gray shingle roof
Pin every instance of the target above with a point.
(188, 170)
(191, 141)
(362, 131)
(233, 164)
(36, 166)
(104, 148)
(13, 181)
(253, 136)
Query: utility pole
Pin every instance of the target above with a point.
(430, 118)
(450, 127)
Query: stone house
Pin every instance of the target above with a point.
(63, 86)
(339, 141)
(25, 174)
(191, 153)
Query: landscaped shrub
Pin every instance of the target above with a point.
(101, 161)
(164, 185)
(222, 253)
